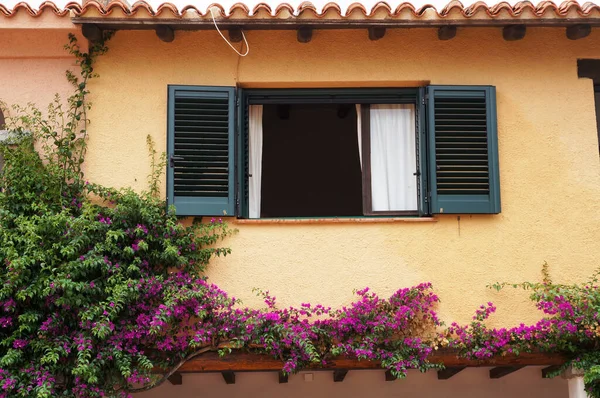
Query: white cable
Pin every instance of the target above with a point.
(227, 41)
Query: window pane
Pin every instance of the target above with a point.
(393, 158)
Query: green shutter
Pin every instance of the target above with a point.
(463, 149)
(243, 147)
(200, 178)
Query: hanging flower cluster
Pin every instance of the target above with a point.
(571, 326)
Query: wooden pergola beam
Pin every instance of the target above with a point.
(176, 379)
(283, 378)
(389, 376)
(448, 372)
(339, 375)
(228, 376)
(502, 371)
(249, 362)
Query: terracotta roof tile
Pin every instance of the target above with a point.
(542, 9)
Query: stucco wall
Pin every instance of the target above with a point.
(470, 383)
(550, 180)
(33, 65)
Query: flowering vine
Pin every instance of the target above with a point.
(571, 326)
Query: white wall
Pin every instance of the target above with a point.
(470, 383)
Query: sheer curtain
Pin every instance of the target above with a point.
(393, 157)
(255, 141)
(359, 129)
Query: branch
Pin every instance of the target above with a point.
(173, 370)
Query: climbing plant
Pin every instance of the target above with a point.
(570, 326)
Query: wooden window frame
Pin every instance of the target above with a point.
(363, 96)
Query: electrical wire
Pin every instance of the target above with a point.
(227, 41)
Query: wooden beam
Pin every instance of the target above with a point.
(589, 68)
(229, 377)
(514, 32)
(447, 373)
(294, 23)
(389, 376)
(339, 375)
(91, 32)
(576, 32)
(239, 361)
(283, 378)
(305, 34)
(376, 32)
(446, 32)
(176, 379)
(550, 369)
(235, 35)
(502, 371)
(165, 33)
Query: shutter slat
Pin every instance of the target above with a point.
(452, 120)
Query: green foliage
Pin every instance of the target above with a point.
(86, 268)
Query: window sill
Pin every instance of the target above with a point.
(334, 220)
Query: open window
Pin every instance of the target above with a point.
(332, 152)
(309, 158)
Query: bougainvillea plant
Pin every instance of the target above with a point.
(571, 326)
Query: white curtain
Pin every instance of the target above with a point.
(393, 157)
(255, 140)
(359, 129)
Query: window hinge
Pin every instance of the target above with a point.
(424, 99)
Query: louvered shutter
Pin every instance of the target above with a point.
(200, 178)
(463, 149)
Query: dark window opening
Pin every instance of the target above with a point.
(597, 99)
(311, 165)
(590, 68)
(2, 121)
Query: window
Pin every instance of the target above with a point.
(590, 68)
(332, 153)
(597, 101)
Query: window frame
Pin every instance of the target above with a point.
(362, 96)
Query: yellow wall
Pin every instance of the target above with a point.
(33, 65)
(549, 163)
